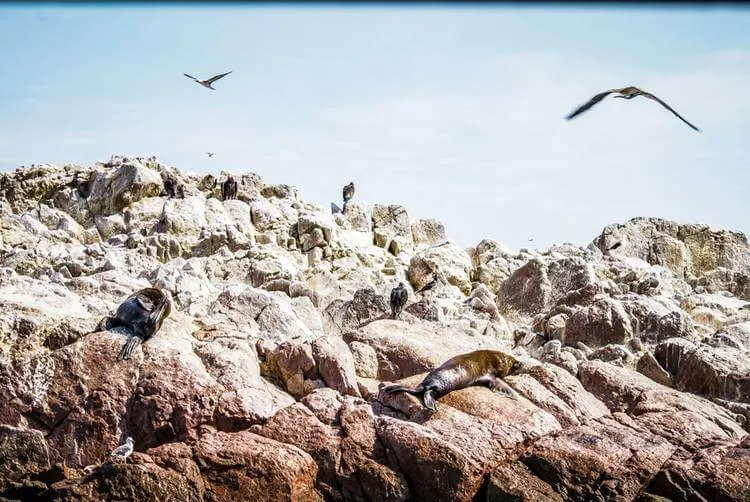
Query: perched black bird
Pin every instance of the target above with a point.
(143, 313)
(169, 187)
(229, 188)
(399, 295)
(207, 83)
(348, 193)
(429, 285)
(82, 187)
(626, 93)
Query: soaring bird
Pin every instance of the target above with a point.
(207, 83)
(122, 452)
(626, 93)
(348, 193)
(399, 296)
(210, 154)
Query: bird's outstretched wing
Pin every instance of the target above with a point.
(189, 76)
(662, 103)
(590, 103)
(217, 77)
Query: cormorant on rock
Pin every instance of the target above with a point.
(430, 285)
(169, 187)
(229, 188)
(348, 193)
(399, 295)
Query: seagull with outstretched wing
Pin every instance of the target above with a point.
(626, 93)
(207, 83)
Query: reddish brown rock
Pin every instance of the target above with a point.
(243, 465)
(22, 451)
(336, 365)
(602, 460)
(720, 472)
(514, 481)
(439, 469)
(364, 472)
(297, 425)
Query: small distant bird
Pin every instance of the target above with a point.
(122, 452)
(430, 285)
(399, 296)
(210, 154)
(347, 193)
(626, 93)
(614, 246)
(207, 83)
(531, 240)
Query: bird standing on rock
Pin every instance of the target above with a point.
(122, 452)
(430, 285)
(399, 295)
(348, 193)
(229, 188)
(207, 83)
(626, 93)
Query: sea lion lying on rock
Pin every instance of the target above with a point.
(142, 312)
(481, 367)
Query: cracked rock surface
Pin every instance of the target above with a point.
(265, 382)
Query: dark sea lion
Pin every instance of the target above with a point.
(399, 295)
(481, 367)
(142, 312)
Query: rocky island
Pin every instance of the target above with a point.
(265, 381)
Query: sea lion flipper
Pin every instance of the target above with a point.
(429, 400)
(128, 349)
(500, 386)
(155, 318)
(396, 388)
(145, 303)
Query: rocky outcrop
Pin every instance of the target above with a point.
(266, 381)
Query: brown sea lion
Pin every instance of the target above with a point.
(481, 367)
(142, 312)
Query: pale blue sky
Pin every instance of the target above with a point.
(455, 112)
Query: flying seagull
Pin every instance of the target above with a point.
(210, 154)
(207, 83)
(626, 93)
